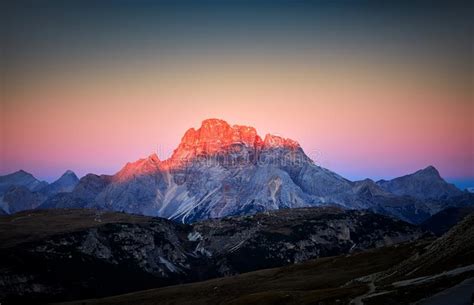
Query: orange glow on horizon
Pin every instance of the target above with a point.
(352, 118)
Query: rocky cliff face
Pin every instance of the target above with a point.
(423, 272)
(276, 238)
(69, 253)
(220, 170)
(95, 260)
(217, 170)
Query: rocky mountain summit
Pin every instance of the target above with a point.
(423, 184)
(217, 170)
(220, 170)
(20, 178)
(66, 183)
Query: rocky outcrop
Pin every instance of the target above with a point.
(52, 254)
(276, 238)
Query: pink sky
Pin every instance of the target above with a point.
(358, 118)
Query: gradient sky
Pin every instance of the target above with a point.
(369, 89)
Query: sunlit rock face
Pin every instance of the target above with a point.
(131, 170)
(221, 170)
(217, 170)
(216, 136)
(217, 141)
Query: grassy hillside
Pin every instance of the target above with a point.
(307, 283)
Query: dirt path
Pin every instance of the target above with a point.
(358, 300)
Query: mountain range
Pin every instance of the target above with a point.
(221, 170)
(22, 191)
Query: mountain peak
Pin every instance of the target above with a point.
(142, 166)
(212, 137)
(214, 123)
(21, 173)
(277, 141)
(68, 177)
(21, 177)
(423, 184)
(216, 135)
(66, 183)
(430, 170)
(219, 131)
(68, 173)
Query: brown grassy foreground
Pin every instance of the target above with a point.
(320, 281)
